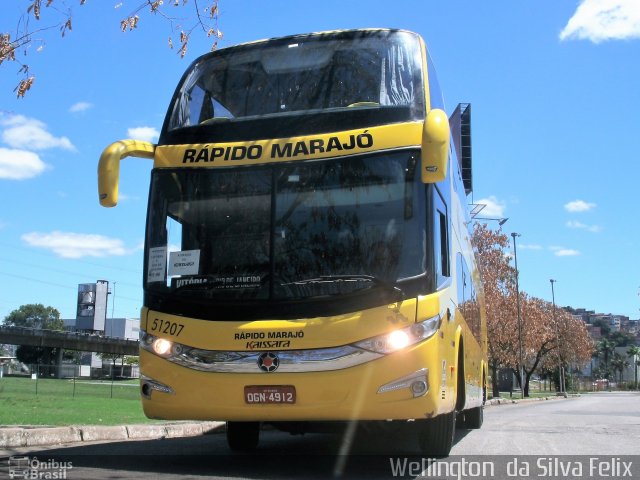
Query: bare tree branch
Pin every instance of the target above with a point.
(24, 37)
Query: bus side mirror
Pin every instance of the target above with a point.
(109, 167)
(435, 146)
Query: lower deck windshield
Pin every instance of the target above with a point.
(285, 232)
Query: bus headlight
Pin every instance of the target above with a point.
(401, 338)
(160, 346)
(398, 339)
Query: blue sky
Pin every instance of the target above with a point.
(555, 101)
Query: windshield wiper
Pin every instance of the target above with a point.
(397, 291)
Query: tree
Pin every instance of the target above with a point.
(498, 279)
(605, 328)
(572, 344)
(59, 17)
(605, 349)
(132, 360)
(39, 317)
(549, 337)
(634, 354)
(35, 315)
(31, 355)
(621, 339)
(539, 335)
(619, 364)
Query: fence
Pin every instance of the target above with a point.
(70, 370)
(110, 381)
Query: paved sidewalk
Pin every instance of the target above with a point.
(30, 436)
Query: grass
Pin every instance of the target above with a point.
(24, 401)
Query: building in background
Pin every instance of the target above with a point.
(91, 318)
(91, 313)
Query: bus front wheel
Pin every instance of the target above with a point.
(473, 417)
(437, 434)
(243, 436)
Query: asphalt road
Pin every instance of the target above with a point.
(593, 436)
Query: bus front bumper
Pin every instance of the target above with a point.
(405, 385)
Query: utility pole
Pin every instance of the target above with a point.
(515, 255)
(113, 300)
(555, 321)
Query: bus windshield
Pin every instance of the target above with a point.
(376, 70)
(286, 231)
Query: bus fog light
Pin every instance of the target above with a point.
(148, 385)
(419, 388)
(416, 382)
(162, 346)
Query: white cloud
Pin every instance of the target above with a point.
(76, 245)
(20, 164)
(148, 134)
(31, 134)
(582, 226)
(564, 252)
(80, 107)
(600, 20)
(530, 246)
(124, 197)
(579, 206)
(493, 207)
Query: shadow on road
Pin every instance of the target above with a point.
(371, 453)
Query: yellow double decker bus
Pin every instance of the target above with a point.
(307, 259)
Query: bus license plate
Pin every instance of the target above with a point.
(265, 394)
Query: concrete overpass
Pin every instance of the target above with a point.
(83, 342)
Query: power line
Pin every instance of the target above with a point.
(32, 251)
(66, 272)
(59, 285)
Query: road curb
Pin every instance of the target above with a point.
(504, 401)
(11, 437)
(31, 436)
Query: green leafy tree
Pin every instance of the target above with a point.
(132, 360)
(35, 315)
(605, 328)
(621, 339)
(39, 317)
(619, 364)
(605, 350)
(634, 354)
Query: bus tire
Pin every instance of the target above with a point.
(243, 436)
(436, 434)
(473, 417)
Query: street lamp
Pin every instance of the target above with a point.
(555, 321)
(515, 256)
(501, 221)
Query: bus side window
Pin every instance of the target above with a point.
(441, 239)
(463, 280)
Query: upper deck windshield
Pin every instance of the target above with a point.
(378, 71)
